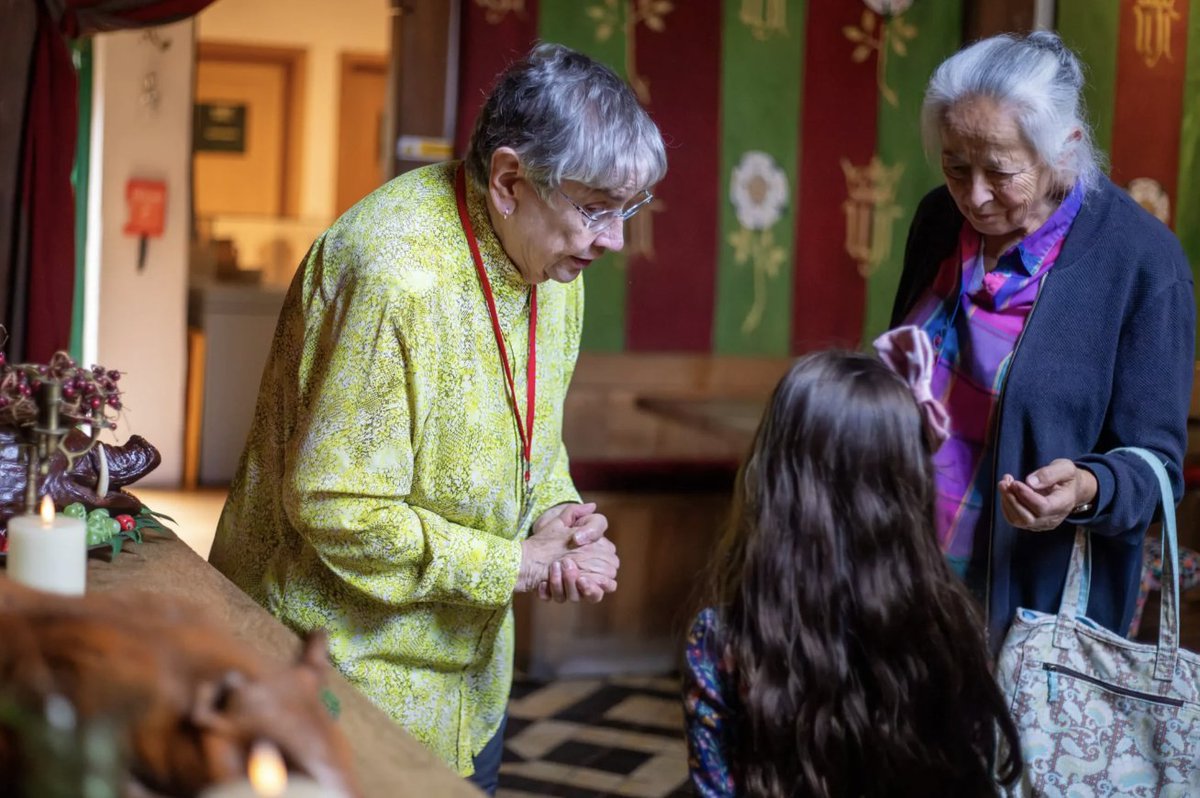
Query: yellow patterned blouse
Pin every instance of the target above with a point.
(378, 495)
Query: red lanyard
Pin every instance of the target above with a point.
(524, 432)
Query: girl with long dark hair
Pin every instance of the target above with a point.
(837, 654)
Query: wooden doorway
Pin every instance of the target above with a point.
(361, 155)
(249, 115)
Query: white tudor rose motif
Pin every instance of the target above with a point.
(758, 190)
(888, 8)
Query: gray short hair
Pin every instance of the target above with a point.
(1041, 79)
(568, 117)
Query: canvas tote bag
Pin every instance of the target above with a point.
(1100, 715)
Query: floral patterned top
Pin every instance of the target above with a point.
(378, 495)
(708, 708)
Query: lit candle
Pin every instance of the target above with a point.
(48, 551)
(268, 778)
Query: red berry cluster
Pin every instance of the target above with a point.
(88, 396)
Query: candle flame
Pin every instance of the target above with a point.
(268, 775)
(47, 511)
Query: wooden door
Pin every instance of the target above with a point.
(245, 133)
(360, 128)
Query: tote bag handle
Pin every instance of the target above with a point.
(1076, 589)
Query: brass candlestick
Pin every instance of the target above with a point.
(48, 436)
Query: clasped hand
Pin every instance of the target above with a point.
(1047, 496)
(566, 556)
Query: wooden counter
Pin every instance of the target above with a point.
(388, 762)
(735, 420)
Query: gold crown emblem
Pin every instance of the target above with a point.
(873, 184)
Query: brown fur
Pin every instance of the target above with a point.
(192, 698)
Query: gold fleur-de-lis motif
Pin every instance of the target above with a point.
(871, 211)
(1153, 21)
(764, 18)
(876, 34)
(641, 230)
(497, 10)
(612, 16)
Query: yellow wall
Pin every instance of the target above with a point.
(325, 29)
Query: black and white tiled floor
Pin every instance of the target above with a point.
(595, 738)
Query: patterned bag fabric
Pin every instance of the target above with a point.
(1100, 715)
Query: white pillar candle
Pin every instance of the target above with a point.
(48, 551)
(268, 778)
(297, 787)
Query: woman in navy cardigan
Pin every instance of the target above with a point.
(1064, 317)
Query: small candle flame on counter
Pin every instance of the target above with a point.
(268, 775)
(47, 511)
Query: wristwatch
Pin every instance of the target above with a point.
(1081, 509)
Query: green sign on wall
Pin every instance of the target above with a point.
(219, 127)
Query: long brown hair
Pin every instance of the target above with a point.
(860, 660)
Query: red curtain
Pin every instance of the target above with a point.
(43, 277)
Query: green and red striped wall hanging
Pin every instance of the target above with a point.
(794, 150)
(1143, 94)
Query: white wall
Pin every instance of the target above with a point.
(136, 321)
(325, 29)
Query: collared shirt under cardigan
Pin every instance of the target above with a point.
(974, 318)
(1106, 360)
(378, 495)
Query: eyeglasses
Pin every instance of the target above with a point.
(605, 219)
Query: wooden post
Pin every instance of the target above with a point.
(983, 18)
(391, 113)
(425, 51)
(194, 412)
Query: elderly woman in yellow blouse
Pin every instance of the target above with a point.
(405, 474)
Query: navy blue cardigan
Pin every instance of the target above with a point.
(1106, 360)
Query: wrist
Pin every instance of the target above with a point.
(528, 575)
(1086, 490)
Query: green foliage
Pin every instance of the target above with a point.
(63, 755)
(103, 527)
(331, 703)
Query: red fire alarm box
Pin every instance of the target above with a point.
(147, 201)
